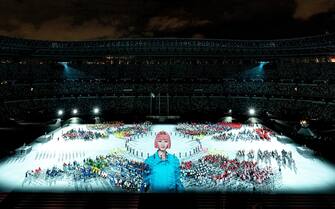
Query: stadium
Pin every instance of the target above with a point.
(180, 104)
(244, 116)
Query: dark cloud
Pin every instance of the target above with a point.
(175, 21)
(308, 8)
(99, 19)
(62, 29)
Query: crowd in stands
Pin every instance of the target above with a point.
(178, 105)
(166, 70)
(306, 89)
(297, 80)
(314, 92)
(216, 44)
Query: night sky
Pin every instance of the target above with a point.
(113, 19)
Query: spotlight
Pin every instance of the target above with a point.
(303, 123)
(96, 110)
(262, 63)
(64, 64)
(228, 119)
(252, 111)
(229, 111)
(75, 111)
(60, 112)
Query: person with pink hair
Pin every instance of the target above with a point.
(162, 170)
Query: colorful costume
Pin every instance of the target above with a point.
(162, 175)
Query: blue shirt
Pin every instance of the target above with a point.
(163, 175)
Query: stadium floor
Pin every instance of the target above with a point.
(306, 174)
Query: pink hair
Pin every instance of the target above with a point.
(162, 135)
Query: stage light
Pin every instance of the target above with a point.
(252, 111)
(262, 63)
(60, 112)
(303, 123)
(228, 119)
(64, 64)
(230, 111)
(96, 110)
(75, 111)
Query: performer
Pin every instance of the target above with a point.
(162, 170)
